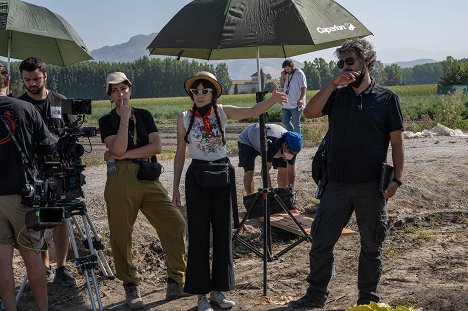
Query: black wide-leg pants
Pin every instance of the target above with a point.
(208, 207)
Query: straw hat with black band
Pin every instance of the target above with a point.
(203, 75)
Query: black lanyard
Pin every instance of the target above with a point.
(290, 77)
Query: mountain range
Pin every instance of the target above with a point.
(239, 69)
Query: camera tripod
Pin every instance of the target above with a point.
(264, 194)
(85, 265)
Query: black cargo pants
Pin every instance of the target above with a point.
(336, 207)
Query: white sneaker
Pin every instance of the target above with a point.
(204, 304)
(221, 301)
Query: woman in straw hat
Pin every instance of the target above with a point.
(209, 186)
(132, 137)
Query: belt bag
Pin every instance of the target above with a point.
(149, 171)
(213, 175)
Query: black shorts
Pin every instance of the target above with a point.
(247, 156)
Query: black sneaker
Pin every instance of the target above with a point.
(63, 276)
(308, 301)
(49, 274)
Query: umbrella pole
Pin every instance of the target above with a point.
(265, 190)
(264, 193)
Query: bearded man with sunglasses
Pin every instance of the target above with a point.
(363, 118)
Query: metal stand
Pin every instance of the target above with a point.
(264, 193)
(85, 265)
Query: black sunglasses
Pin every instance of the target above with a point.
(348, 60)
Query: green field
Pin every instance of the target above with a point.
(422, 108)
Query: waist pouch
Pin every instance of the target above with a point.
(212, 175)
(149, 171)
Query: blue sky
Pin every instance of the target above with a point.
(403, 29)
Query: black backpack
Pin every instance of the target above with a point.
(319, 166)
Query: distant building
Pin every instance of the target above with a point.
(249, 86)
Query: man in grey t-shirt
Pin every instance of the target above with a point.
(283, 147)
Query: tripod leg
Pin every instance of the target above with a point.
(246, 216)
(298, 224)
(82, 268)
(103, 264)
(93, 253)
(21, 289)
(236, 237)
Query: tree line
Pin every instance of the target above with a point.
(150, 77)
(165, 77)
(319, 73)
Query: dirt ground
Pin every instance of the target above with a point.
(425, 259)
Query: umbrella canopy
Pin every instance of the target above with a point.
(234, 29)
(31, 30)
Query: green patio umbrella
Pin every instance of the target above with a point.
(31, 30)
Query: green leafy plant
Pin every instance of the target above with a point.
(380, 307)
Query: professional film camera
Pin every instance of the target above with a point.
(55, 194)
(60, 166)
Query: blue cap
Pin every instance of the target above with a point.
(293, 140)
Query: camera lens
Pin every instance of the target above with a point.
(76, 150)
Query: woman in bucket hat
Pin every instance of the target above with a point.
(209, 186)
(132, 137)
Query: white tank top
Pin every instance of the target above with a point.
(204, 144)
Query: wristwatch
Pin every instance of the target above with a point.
(397, 181)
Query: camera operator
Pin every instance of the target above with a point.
(28, 131)
(34, 75)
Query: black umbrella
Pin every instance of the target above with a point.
(234, 29)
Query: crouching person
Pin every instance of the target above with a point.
(282, 150)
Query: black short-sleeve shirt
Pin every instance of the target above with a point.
(51, 110)
(142, 121)
(29, 130)
(359, 131)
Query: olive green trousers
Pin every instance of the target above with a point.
(125, 196)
